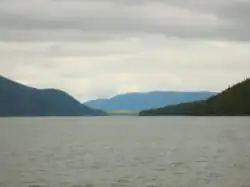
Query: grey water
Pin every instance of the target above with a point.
(125, 151)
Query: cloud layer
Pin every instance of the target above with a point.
(100, 48)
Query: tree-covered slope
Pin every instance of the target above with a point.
(234, 101)
(20, 100)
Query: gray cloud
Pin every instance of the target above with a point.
(227, 20)
(98, 48)
(138, 64)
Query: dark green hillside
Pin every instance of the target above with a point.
(20, 100)
(234, 101)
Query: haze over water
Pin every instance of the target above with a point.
(125, 151)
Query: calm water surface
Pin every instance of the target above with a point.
(125, 151)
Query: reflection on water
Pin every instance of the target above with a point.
(125, 151)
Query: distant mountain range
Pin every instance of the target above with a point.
(234, 101)
(147, 100)
(20, 100)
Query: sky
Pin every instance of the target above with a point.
(100, 48)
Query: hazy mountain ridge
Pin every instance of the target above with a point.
(146, 100)
(234, 101)
(20, 100)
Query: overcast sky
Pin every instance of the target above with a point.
(99, 48)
